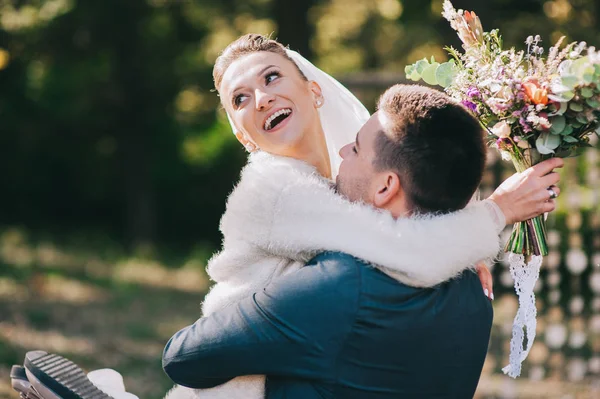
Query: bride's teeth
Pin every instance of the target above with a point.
(275, 115)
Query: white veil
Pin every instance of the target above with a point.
(342, 114)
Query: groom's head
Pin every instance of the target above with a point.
(419, 153)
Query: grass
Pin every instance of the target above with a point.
(110, 311)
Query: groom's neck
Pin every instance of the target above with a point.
(398, 208)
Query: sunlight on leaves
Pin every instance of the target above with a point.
(11, 289)
(390, 9)
(558, 10)
(428, 50)
(52, 340)
(62, 289)
(202, 148)
(4, 58)
(15, 19)
(149, 273)
(189, 100)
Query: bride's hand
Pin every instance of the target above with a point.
(526, 195)
(485, 276)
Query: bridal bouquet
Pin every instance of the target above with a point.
(532, 108)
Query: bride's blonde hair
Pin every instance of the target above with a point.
(247, 44)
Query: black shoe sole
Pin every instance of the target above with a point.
(59, 377)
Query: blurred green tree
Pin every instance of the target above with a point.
(108, 122)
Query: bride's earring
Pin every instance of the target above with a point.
(319, 103)
(250, 147)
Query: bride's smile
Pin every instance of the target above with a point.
(277, 119)
(274, 107)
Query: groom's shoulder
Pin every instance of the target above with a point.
(336, 261)
(340, 265)
(330, 268)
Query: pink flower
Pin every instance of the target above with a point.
(501, 130)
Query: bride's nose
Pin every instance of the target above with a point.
(264, 100)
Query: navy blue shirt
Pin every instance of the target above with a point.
(339, 328)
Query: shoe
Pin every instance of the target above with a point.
(20, 383)
(54, 377)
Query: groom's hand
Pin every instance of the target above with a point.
(526, 195)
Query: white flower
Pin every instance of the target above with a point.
(505, 155)
(501, 129)
(544, 123)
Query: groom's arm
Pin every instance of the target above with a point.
(293, 328)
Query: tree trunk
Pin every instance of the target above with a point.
(293, 27)
(135, 135)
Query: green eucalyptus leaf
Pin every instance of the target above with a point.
(428, 74)
(562, 97)
(593, 103)
(567, 130)
(576, 107)
(445, 74)
(421, 65)
(558, 124)
(587, 92)
(547, 143)
(411, 73)
(569, 81)
(570, 139)
(564, 106)
(582, 67)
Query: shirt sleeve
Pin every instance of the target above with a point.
(293, 328)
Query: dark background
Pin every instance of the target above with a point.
(116, 161)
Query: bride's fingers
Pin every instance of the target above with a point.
(550, 179)
(485, 277)
(549, 206)
(556, 190)
(545, 167)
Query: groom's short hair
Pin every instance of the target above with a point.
(433, 144)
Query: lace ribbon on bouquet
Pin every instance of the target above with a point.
(525, 276)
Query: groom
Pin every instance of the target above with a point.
(341, 328)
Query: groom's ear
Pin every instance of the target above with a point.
(388, 190)
(317, 93)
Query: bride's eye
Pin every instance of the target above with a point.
(237, 100)
(271, 76)
(354, 149)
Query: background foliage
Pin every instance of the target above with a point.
(116, 162)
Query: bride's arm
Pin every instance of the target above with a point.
(290, 213)
(420, 251)
(287, 213)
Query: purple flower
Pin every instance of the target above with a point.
(470, 105)
(473, 92)
(503, 144)
(525, 125)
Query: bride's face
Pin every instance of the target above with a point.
(269, 102)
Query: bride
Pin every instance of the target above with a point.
(294, 119)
